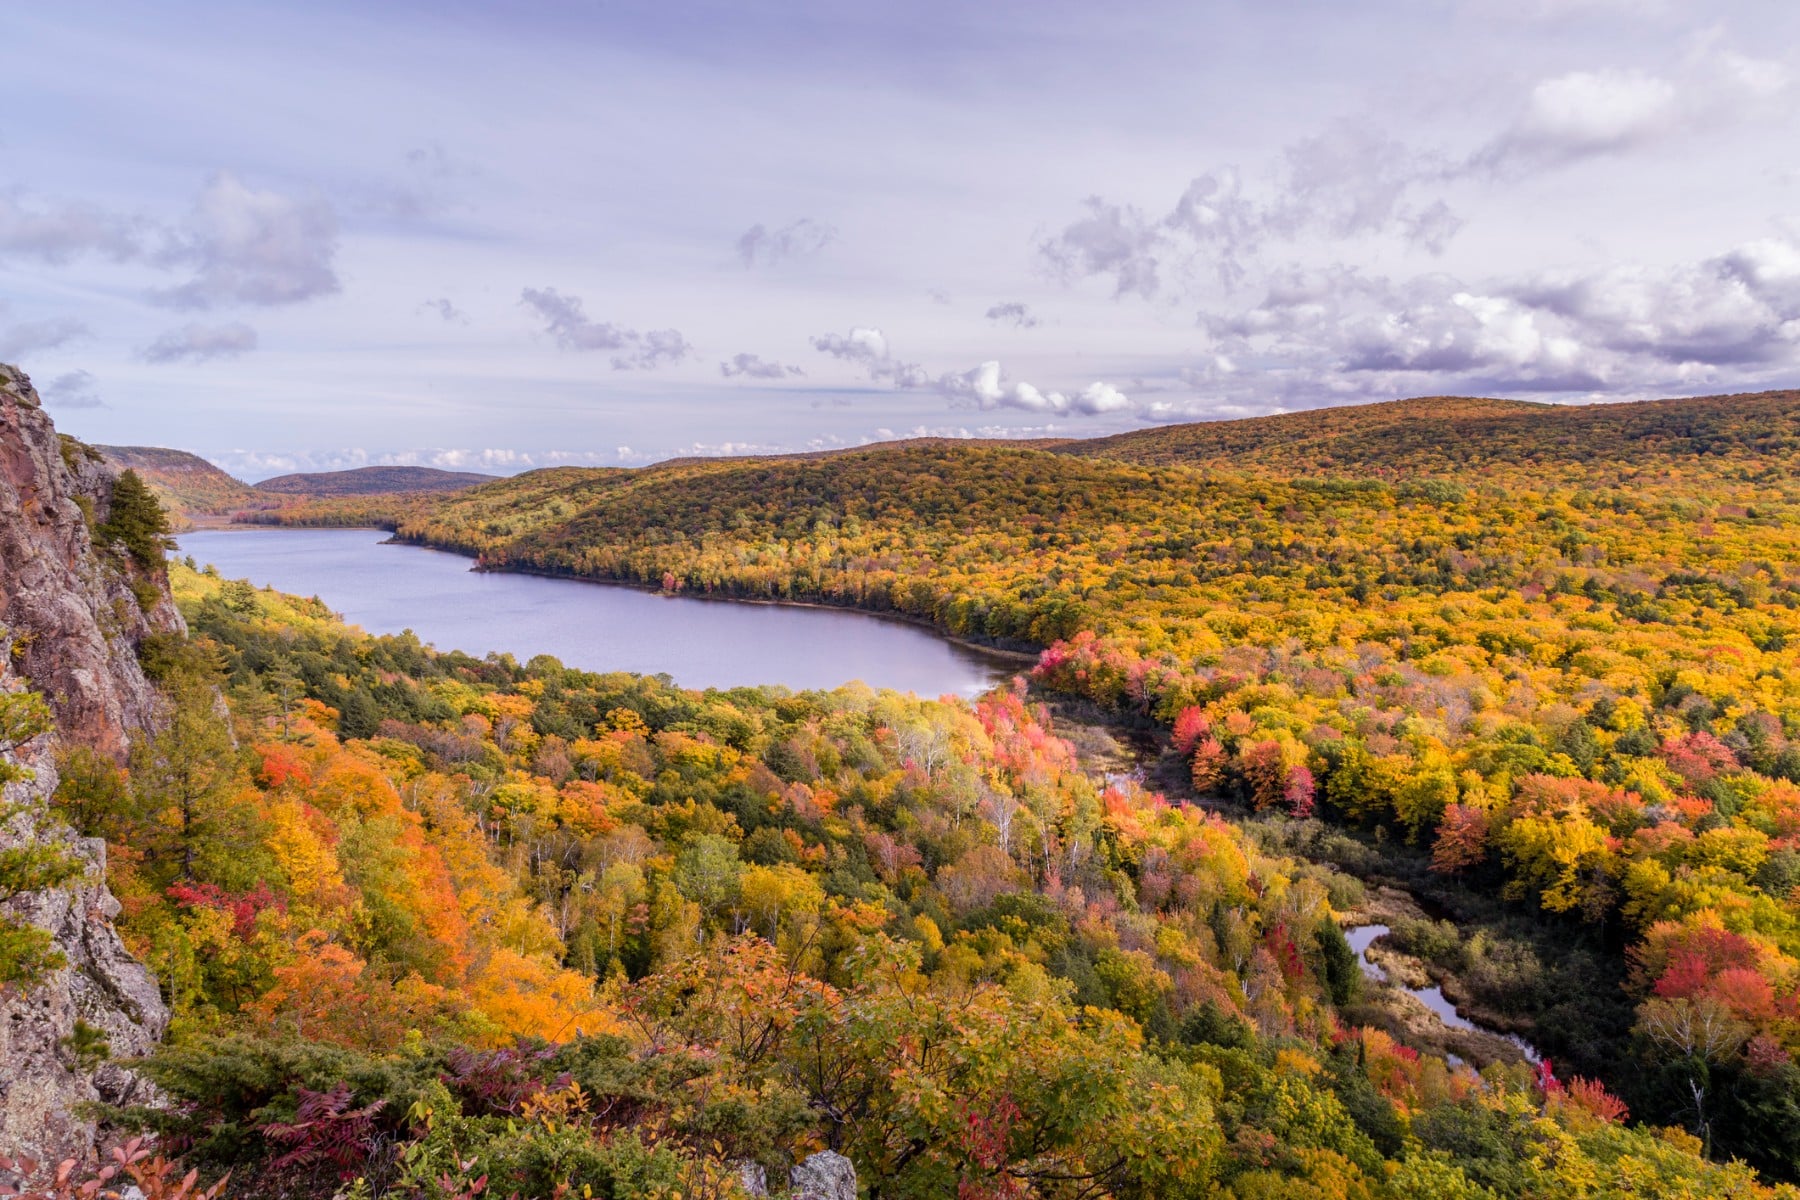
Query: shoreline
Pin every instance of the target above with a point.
(1000, 655)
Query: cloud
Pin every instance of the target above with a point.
(74, 390)
(201, 343)
(752, 366)
(252, 247)
(1343, 183)
(28, 337)
(446, 310)
(1012, 310)
(868, 348)
(985, 386)
(1111, 239)
(1589, 114)
(758, 246)
(1335, 334)
(58, 234)
(1583, 114)
(567, 323)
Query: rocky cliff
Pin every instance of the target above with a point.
(72, 616)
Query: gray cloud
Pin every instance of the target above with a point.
(759, 246)
(76, 389)
(201, 343)
(28, 337)
(1013, 311)
(868, 348)
(58, 234)
(752, 366)
(252, 247)
(1346, 182)
(445, 309)
(567, 323)
(1336, 334)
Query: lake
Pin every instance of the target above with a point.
(597, 627)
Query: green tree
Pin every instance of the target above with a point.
(136, 521)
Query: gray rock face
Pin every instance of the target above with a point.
(69, 628)
(826, 1175)
(71, 620)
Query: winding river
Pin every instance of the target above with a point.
(699, 643)
(1361, 937)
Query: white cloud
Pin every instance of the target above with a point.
(1582, 114)
(985, 386)
(566, 322)
(200, 343)
(868, 348)
(252, 247)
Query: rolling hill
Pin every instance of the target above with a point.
(1441, 435)
(364, 481)
(190, 488)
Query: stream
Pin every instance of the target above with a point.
(1361, 937)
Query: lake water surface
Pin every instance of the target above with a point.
(596, 627)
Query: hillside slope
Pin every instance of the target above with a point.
(1445, 435)
(190, 488)
(364, 481)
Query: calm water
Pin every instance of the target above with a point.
(698, 643)
(1361, 937)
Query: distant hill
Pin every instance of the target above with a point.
(365, 481)
(1443, 435)
(191, 488)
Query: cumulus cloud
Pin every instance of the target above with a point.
(1337, 333)
(761, 246)
(1588, 114)
(752, 366)
(252, 247)
(868, 348)
(567, 323)
(201, 343)
(1582, 114)
(57, 233)
(985, 386)
(76, 389)
(28, 337)
(1019, 315)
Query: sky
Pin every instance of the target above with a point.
(502, 236)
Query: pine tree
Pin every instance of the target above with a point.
(136, 521)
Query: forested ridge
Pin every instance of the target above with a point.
(1545, 649)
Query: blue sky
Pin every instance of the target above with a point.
(504, 236)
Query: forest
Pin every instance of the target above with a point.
(446, 927)
(1539, 656)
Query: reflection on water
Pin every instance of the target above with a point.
(698, 643)
(1361, 937)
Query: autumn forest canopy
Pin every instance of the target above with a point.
(441, 926)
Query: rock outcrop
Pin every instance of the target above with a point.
(71, 621)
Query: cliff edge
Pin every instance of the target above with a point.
(72, 616)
